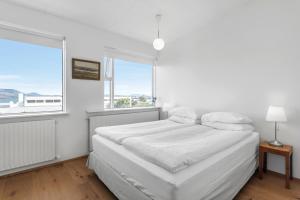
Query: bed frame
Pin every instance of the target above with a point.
(124, 190)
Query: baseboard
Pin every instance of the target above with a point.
(42, 166)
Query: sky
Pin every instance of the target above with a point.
(132, 78)
(30, 68)
(34, 68)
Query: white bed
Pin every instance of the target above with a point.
(121, 132)
(130, 177)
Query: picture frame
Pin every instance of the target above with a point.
(85, 69)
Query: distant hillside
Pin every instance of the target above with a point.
(33, 94)
(7, 95)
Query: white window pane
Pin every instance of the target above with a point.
(31, 77)
(132, 84)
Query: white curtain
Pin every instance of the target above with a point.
(15, 33)
(108, 68)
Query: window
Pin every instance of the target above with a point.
(127, 84)
(31, 71)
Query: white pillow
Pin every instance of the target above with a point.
(184, 120)
(231, 127)
(226, 117)
(184, 112)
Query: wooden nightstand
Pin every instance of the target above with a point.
(286, 151)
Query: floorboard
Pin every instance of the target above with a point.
(72, 180)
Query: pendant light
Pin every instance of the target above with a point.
(158, 42)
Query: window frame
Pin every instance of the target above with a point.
(129, 58)
(37, 33)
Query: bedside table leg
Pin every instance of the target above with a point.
(291, 163)
(261, 164)
(265, 162)
(287, 171)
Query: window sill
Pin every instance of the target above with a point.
(31, 115)
(114, 111)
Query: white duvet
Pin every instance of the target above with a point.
(177, 149)
(118, 133)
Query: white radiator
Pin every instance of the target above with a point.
(119, 119)
(26, 143)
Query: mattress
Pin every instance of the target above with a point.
(225, 171)
(121, 132)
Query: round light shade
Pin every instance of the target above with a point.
(158, 44)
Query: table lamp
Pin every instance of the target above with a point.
(276, 114)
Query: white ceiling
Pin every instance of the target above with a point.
(136, 18)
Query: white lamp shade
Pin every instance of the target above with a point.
(158, 44)
(276, 114)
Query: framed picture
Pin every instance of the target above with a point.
(85, 69)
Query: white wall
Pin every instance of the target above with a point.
(243, 62)
(82, 42)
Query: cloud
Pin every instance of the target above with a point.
(9, 77)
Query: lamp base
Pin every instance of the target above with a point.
(275, 143)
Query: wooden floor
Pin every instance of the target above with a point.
(73, 181)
